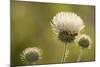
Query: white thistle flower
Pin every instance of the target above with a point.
(31, 55)
(67, 21)
(67, 25)
(84, 41)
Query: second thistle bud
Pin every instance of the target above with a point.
(30, 55)
(84, 41)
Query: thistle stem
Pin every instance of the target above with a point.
(66, 51)
(80, 55)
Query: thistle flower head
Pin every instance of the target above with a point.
(67, 25)
(84, 41)
(31, 55)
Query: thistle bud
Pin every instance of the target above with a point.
(30, 55)
(84, 41)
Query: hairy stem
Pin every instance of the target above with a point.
(66, 51)
(80, 55)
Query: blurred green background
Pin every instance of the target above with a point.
(30, 27)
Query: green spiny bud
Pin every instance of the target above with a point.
(31, 55)
(84, 41)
